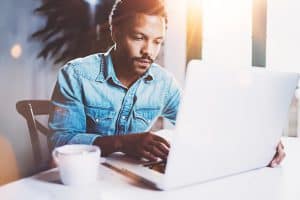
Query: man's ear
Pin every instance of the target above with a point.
(115, 34)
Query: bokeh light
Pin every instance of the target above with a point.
(16, 51)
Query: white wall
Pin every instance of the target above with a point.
(22, 78)
(227, 34)
(283, 35)
(175, 43)
(227, 30)
(283, 45)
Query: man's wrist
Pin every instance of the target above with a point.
(109, 144)
(118, 143)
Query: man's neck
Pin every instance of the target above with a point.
(123, 72)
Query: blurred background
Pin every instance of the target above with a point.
(39, 36)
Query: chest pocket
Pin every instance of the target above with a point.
(100, 120)
(144, 118)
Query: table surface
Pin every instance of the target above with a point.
(280, 183)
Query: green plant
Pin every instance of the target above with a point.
(73, 28)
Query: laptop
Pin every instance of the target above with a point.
(230, 121)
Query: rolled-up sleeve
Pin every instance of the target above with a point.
(67, 119)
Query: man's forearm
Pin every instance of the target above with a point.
(118, 143)
(60, 138)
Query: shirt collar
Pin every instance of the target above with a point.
(148, 76)
(106, 67)
(107, 70)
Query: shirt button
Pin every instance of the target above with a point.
(123, 117)
(97, 120)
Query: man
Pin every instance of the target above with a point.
(111, 100)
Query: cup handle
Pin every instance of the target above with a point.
(55, 156)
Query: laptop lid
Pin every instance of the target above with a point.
(229, 121)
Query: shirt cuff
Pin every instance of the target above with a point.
(83, 139)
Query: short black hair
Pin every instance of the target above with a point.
(124, 9)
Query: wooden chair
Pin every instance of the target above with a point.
(30, 109)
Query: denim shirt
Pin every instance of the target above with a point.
(89, 101)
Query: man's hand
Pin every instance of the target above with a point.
(145, 145)
(279, 156)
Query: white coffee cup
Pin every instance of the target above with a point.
(78, 164)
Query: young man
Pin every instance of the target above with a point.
(112, 99)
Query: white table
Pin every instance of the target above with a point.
(281, 183)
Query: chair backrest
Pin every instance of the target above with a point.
(29, 109)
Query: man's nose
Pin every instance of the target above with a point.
(147, 49)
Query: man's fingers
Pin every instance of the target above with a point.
(277, 160)
(154, 147)
(279, 156)
(148, 155)
(273, 164)
(280, 153)
(158, 153)
(162, 140)
(162, 147)
(280, 145)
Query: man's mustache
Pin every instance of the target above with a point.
(144, 58)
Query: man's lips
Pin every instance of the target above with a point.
(144, 61)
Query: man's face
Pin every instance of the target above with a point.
(139, 41)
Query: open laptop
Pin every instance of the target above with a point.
(229, 121)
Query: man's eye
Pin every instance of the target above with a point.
(158, 42)
(138, 38)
